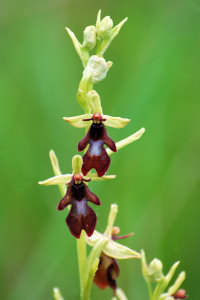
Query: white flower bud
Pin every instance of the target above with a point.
(89, 37)
(96, 69)
(155, 270)
(106, 26)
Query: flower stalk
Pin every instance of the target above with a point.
(100, 265)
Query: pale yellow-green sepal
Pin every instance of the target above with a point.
(98, 22)
(57, 294)
(94, 177)
(119, 251)
(170, 274)
(77, 45)
(145, 269)
(94, 102)
(77, 162)
(128, 140)
(59, 179)
(115, 122)
(112, 248)
(77, 121)
(174, 288)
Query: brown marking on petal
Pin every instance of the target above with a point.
(108, 271)
(66, 200)
(83, 143)
(108, 141)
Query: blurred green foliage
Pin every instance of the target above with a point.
(155, 82)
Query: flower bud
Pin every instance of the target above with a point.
(89, 37)
(155, 270)
(96, 69)
(106, 26)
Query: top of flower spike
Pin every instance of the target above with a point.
(103, 32)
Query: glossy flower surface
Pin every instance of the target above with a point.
(107, 273)
(81, 216)
(96, 156)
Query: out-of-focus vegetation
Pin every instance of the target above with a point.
(155, 82)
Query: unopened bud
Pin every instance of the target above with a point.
(89, 37)
(106, 26)
(155, 270)
(115, 231)
(96, 69)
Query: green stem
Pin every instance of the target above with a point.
(82, 257)
(150, 290)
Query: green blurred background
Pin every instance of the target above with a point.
(155, 82)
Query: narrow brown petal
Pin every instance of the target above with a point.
(91, 197)
(66, 200)
(108, 141)
(83, 143)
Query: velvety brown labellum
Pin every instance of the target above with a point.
(107, 273)
(96, 156)
(80, 216)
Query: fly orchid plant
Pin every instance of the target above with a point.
(100, 265)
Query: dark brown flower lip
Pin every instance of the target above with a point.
(81, 216)
(107, 273)
(96, 156)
